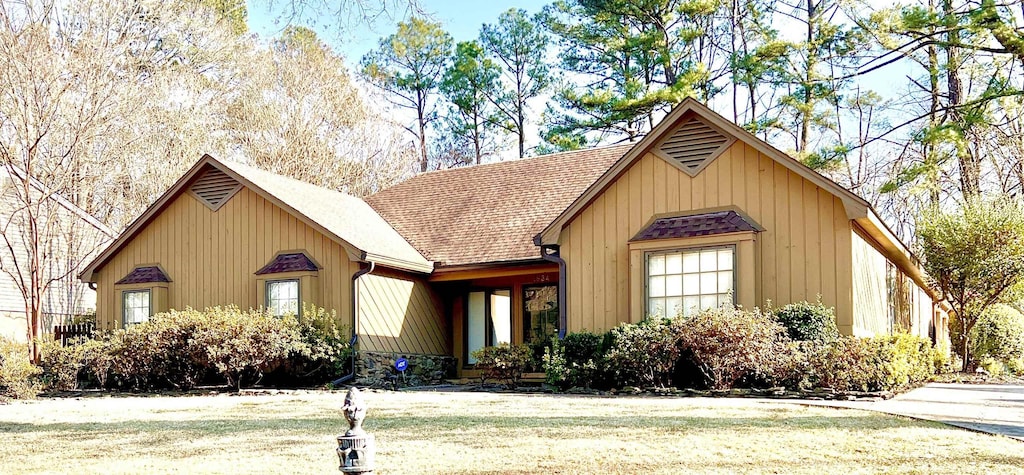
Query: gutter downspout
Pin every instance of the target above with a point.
(355, 322)
(550, 253)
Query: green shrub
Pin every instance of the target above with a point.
(323, 350)
(908, 361)
(643, 354)
(999, 334)
(60, 364)
(578, 361)
(846, 364)
(1016, 366)
(18, 376)
(161, 352)
(887, 363)
(238, 343)
(503, 363)
(805, 321)
(731, 346)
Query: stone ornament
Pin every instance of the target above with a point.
(355, 411)
(356, 448)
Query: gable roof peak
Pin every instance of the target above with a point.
(345, 219)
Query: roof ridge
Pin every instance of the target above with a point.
(278, 176)
(504, 162)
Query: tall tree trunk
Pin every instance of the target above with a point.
(808, 84)
(520, 125)
(970, 179)
(930, 151)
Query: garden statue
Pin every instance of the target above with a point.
(356, 447)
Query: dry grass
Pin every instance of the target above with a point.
(483, 433)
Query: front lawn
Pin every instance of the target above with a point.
(419, 432)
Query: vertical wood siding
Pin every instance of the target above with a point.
(870, 293)
(804, 252)
(211, 257)
(871, 300)
(401, 314)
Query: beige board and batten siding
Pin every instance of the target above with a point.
(211, 256)
(870, 290)
(401, 314)
(873, 295)
(804, 252)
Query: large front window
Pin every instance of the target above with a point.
(488, 320)
(283, 297)
(685, 282)
(136, 306)
(540, 314)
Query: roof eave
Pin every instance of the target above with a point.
(424, 267)
(896, 251)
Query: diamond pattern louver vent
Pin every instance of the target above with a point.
(214, 188)
(692, 144)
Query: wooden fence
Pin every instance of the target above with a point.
(69, 333)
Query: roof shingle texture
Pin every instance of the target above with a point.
(490, 213)
(143, 275)
(288, 263)
(347, 217)
(707, 224)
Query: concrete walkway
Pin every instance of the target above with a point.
(992, 408)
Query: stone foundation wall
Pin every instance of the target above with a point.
(377, 369)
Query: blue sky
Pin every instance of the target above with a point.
(461, 18)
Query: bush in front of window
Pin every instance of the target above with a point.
(159, 353)
(805, 321)
(322, 352)
(181, 349)
(579, 361)
(503, 363)
(644, 354)
(240, 344)
(729, 347)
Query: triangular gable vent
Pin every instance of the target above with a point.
(214, 188)
(693, 145)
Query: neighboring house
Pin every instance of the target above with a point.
(72, 242)
(698, 214)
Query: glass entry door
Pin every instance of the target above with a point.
(488, 320)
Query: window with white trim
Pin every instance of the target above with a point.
(136, 306)
(283, 297)
(687, 281)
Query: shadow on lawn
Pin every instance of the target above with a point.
(437, 425)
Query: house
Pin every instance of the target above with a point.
(698, 214)
(70, 239)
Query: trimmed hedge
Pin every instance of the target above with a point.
(220, 345)
(503, 363)
(579, 361)
(735, 348)
(805, 321)
(732, 347)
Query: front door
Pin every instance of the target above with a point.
(488, 320)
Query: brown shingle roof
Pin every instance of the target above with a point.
(490, 213)
(707, 224)
(141, 275)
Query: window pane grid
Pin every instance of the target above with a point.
(283, 297)
(136, 306)
(688, 281)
